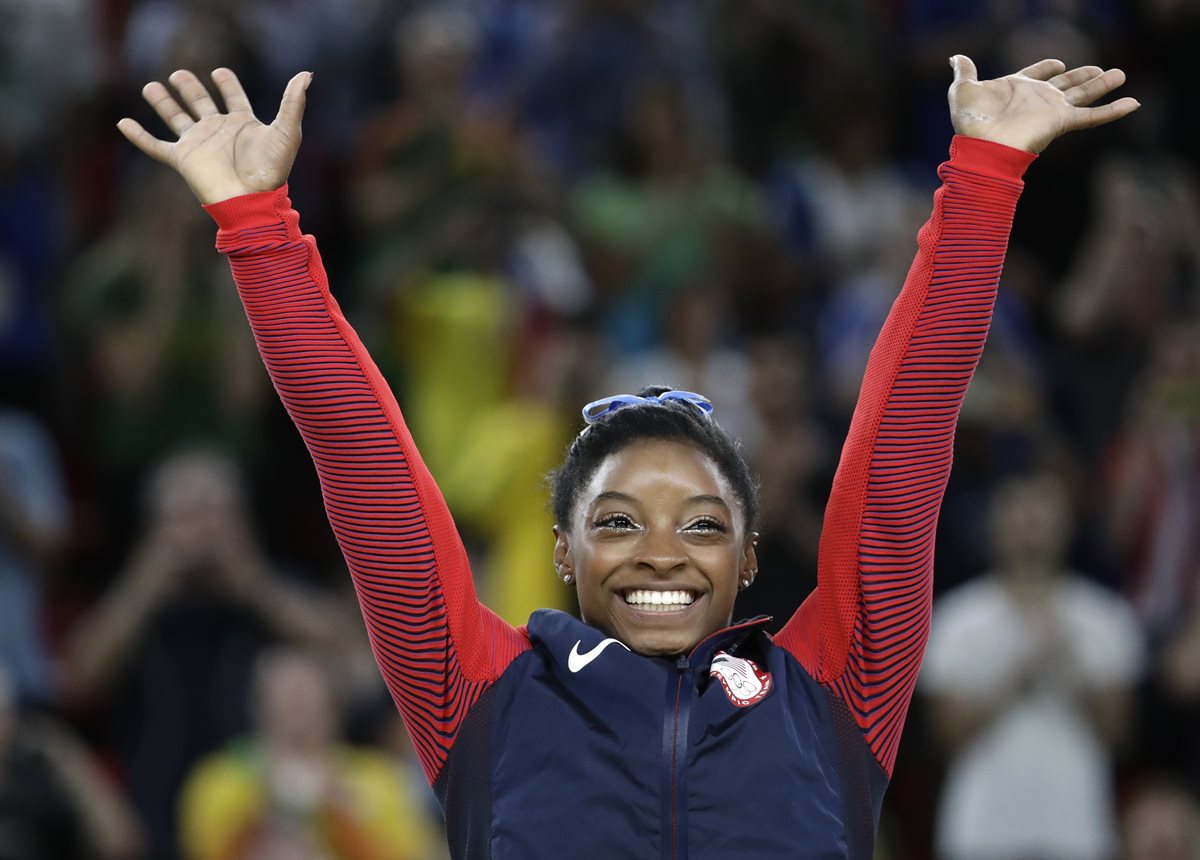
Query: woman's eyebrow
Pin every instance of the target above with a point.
(708, 499)
(614, 496)
(617, 496)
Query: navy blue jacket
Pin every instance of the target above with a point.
(641, 757)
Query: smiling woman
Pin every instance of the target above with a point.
(653, 726)
(657, 541)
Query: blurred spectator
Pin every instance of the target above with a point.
(1153, 517)
(860, 250)
(420, 172)
(806, 49)
(487, 409)
(1007, 427)
(34, 522)
(655, 221)
(38, 817)
(171, 645)
(167, 354)
(1136, 270)
(793, 461)
(570, 71)
(1172, 698)
(53, 801)
(1169, 28)
(496, 482)
(163, 35)
(850, 213)
(693, 355)
(30, 237)
(856, 204)
(39, 86)
(1030, 672)
(1161, 822)
(293, 791)
(1155, 499)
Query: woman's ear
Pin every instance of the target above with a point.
(749, 566)
(563, 563)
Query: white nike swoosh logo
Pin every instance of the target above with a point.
(576, 661)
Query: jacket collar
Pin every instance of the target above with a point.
(560, 631)
(725, 639)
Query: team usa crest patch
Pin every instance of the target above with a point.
(743, 681)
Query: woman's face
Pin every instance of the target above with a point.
(657, 545)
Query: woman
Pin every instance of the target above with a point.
(651, 727)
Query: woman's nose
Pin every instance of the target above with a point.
(661, 550)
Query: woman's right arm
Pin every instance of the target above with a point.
(437, 646)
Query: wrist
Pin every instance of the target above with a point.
(979, 155)
(253, 209)
(221, 192)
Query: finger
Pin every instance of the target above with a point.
(1043, 70)
(157, 149)
(291, 108)
(195, 95)
(1092, 117)
(1088, 91)
(231, 90)
(1075, 77)
(164, 104)
(964, 69)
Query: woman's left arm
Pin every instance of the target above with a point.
(863, 631)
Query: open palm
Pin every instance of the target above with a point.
(221, 154)
(1032, 107)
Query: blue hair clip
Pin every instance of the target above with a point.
(598, 408)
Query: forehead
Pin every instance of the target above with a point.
(659, 469)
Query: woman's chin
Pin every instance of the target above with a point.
(663, 643)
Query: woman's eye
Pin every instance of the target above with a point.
(615, 521)
(707, 525)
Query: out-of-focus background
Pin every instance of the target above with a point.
(523, 205)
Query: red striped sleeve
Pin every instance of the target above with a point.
(437, 646)
(863, 631)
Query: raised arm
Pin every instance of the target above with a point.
(437, 646)
(863, 631)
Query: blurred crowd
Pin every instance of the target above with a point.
(524, 205)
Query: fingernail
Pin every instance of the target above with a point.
(308, 80)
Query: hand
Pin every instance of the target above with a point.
(222, 155)
(1180, 663)
(1046, 654)
(1029, 109)
(240, 569)
(300, 782)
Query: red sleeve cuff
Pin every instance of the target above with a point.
(989, 158)
(250, 210)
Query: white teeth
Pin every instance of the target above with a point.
(658, 601)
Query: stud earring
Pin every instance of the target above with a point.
(745, 584)
(566, 578)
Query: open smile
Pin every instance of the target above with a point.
(659, 601)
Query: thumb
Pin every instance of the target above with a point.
(964, 69)
(291, 108)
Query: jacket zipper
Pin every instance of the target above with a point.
(674, 749)
(675, 734)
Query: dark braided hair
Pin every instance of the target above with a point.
(674, 421)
